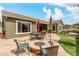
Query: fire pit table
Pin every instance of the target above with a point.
(39, 43)
(35, 45)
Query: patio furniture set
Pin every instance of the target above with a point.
(37, 47)
(37, 36)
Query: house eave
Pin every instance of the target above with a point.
(22, 17)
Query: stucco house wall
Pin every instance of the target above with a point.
(59, 27)
(34, 27)
(0, 29)
(10, 24)
(11, 28)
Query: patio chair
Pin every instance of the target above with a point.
(21, 47)
(43, 34)
(50, 51)
(39, 37)
(32, 36)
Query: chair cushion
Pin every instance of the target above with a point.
(23, 45)
(43, 52)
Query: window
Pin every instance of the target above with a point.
(23, 27)
(53, 27)
(59, 27)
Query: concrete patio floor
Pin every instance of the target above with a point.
(6, 46)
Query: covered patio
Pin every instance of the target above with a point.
(43, 27)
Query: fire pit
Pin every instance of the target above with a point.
(39, 43)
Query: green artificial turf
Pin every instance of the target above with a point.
(70, 44)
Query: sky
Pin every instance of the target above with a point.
(67, 12)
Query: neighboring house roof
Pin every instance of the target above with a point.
(67, 26)
(18, 16)
(57, 21)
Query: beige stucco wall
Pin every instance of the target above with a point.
(0, 29)
(34, 27)
(11, 29)
(58, 26)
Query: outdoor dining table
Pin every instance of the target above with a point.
(37, 36)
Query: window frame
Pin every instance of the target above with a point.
(23, 22)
